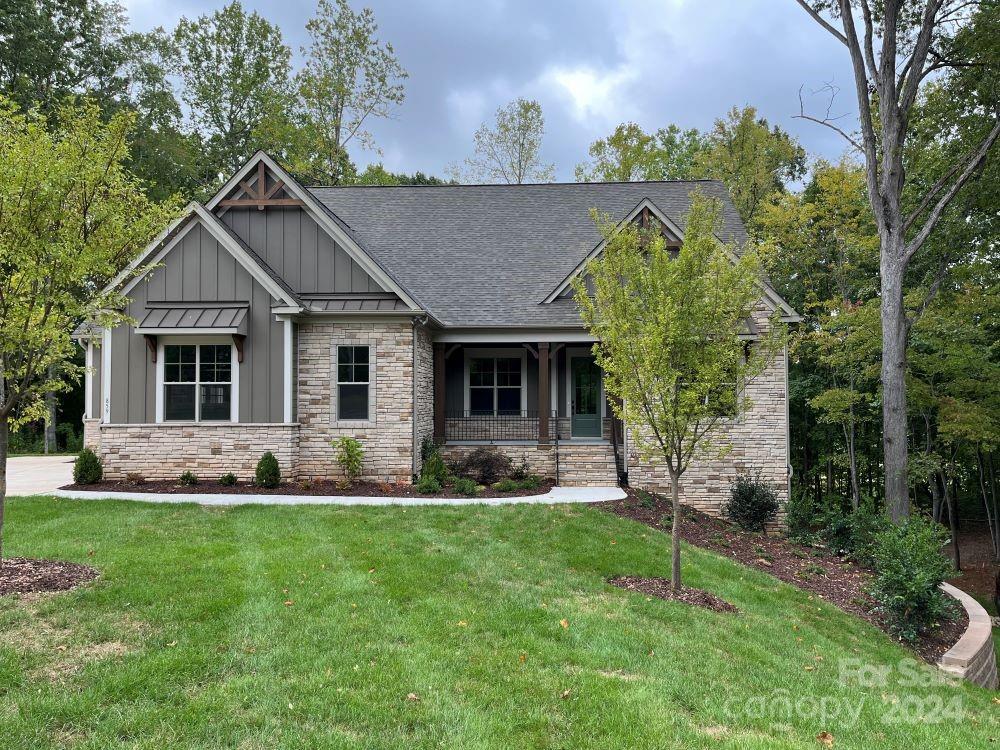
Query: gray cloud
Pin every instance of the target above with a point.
(591, 64)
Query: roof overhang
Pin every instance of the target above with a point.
(163, 319)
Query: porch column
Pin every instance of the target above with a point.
(439, 392)
(543, 392)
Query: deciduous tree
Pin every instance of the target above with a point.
(509, 151)
(669, 330)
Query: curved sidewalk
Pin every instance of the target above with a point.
(555, 496)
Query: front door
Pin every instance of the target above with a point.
(585, 397)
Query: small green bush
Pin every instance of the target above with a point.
(228, 480)
(521, 471)
(752, 504)
(800, 516)
(87, 469)
(909, 566)
(466, 486)
(350, 456)
(188, 477)
(507, 485)
(428, 485)
(268, 472)
(530, 482)
(834, 520)
(867, 522)
(434, 466)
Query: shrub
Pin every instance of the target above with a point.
(71, 441)
(753, 503)
(188, 477)
(268, 472)
(349, 456)
(530, 482)
(507, 485)
(228, 480)
(800, 515)
(521, 470)
(87, 469)
(433, 465)
(486, 465)
(867, 522)
(466, 486)
(428, 485)
(909, 568)
(835, 525)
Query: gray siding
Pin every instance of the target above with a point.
(199, 269)
(299, 250)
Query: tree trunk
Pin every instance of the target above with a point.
(894, 333)
(4, 442)
(50, 422)
(952, 521)
(852, 465)
(990, 512)
(675, 533)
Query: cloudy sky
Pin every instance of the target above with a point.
(591, 63)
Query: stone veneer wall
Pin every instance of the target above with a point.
(165, 451)
(92, 434)
(424, 358)
(387, 438)
(758, 440)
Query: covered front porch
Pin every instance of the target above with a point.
(513, 394)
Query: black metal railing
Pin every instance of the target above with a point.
(493, 428)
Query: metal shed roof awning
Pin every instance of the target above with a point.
(194, 318)
(371, 302)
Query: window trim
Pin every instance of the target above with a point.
(234, 385)
(335, 420)
(494, 353)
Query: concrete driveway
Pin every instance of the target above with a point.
(38, 475)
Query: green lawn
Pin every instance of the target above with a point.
(186, 641)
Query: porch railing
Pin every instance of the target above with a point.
(480, 427)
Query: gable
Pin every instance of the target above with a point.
(309, 247)
(296, 247)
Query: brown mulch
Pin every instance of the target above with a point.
(24, 575)
(661, 588)
(814, 569)
(359, 489)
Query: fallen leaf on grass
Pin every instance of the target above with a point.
(413, 697)
(825, 738)
(462, 624)
(564, 694)
(522, 658)
(289, 602)
(171, 644)
(565, 623)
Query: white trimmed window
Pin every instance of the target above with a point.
(197, 383)
(353, 383)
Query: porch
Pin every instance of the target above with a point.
(543, 402)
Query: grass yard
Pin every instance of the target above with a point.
(266, 627)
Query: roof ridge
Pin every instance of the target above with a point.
(521, 185)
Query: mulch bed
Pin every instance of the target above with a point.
(814, 569)
(318, 488)
(661, 588)
(24, 575)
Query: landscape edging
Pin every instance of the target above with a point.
(973, 657)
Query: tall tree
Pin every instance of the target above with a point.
(754, 159)
(630, 154)
(350, 78)
(235, 68)
(898, 46)
(72, 218)
(509, 151)
(54, 48)
(669, 331)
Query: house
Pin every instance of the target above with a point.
(278, 318)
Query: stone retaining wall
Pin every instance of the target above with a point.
(973, 658)
(165, 451)
(540, 459)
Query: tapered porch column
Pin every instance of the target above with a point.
(439, 392)
(543, 392)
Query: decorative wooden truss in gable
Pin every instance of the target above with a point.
(262, 191)
(645, 220)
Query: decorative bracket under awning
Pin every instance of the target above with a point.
(151, 345)
(238, 341)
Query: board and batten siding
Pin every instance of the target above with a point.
(299, 250)
(197, 269)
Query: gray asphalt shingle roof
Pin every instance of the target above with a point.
(487, 255)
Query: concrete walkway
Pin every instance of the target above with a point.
(554, 496)
(38, 475)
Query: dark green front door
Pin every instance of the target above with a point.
(585, 395)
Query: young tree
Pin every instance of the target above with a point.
(235, 72)
(72, 217)
(349, 79)
(630, 154)
(669, 332)
(509, 152)
(900, 47)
